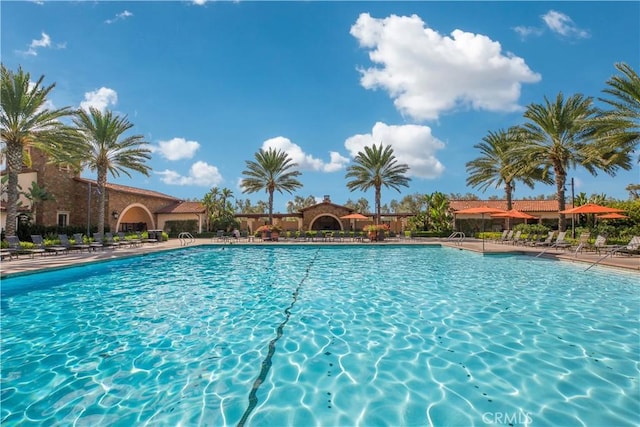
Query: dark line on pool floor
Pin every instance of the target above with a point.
(266, 363)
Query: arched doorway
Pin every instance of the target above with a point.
(135, 217)
(326, 222)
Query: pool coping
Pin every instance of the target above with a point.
(25, 264)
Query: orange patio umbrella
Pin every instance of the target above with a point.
(354, 217)
(514, 213)
(480, 210)
(614, 215)
(591, 208)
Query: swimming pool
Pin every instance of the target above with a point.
(327, 336)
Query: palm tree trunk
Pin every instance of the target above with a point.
(508, 191)
(270, 207)
(561, 179)
(377, 204)
(14, 166)
(102, 182)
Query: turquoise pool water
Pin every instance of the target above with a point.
(326, 336)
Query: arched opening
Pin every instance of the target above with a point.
(326, 222)
(135, 218)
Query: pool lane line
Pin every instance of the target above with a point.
(266, 363)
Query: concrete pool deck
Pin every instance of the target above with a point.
(25, 264)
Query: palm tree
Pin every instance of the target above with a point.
(36, 195)
(621, 125)
(25, 121)
(377, 167)
(560, 135)
(272, 170)
(104, 149)
(500, 164)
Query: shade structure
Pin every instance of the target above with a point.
(480, 210)
(612, 216)
(591, 208)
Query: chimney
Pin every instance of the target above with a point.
(327, 199)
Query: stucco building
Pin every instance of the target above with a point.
(75, 202)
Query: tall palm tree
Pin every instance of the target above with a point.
(560, 136)
(500, 164)
(26, 121)
(376, 167)
(105, 149)
(621, 125)
(273, 170)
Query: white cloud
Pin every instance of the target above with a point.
(119, 17)
(427, 74)
(413, 145)
(201, 174)
(99, 99)
(562, 24)
(305, 161)
(199, 2)
(177, 149)
(525, 32)
(44, 41)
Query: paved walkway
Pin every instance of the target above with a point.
(27, 264)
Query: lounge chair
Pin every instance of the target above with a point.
(507, 238)
(548, 241)
(583, 242)
(78, 243)
(631, 248)
(99, 237)
(66, 243)
(147, 239)
(517, 238)
(503, 237)
(601, 244)
(531, 240)
(111, 241)
(560, 242)
(16, 248)
(131, 240)
(38, 241)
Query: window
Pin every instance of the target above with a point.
(63, 219)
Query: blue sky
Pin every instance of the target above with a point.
(210, 83)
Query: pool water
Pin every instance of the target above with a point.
(326, 336)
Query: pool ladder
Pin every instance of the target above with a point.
(457, 236)
(186, 238)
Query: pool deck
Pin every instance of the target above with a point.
(25, 264)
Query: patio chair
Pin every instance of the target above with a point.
(583, 242)
(16, 248)
(507, 238)
(548, 241)
(66, 243)
(517, 238)
(79, 243)
(38, 241)
(631, 248)
(560, 242)
(502, 237)
(100, 238)
(131, 240)
(600, 244)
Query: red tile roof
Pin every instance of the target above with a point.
(130, 190)
(183, 207)
(521, 205)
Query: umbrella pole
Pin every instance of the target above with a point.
(482, 232)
